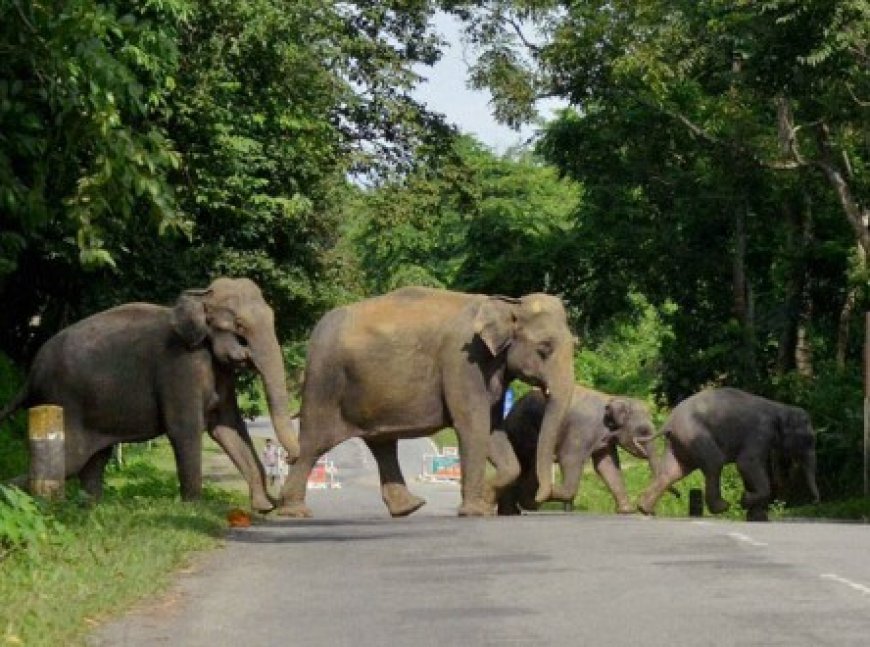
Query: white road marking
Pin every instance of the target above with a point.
(746, 539)
(842, 580)
(702, 523)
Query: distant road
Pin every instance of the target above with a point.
(357, 472)
(354, 577)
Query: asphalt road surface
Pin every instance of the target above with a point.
(353, 576)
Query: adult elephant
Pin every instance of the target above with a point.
(413, 361)
(595, 424)
(140, 370)
(727, 425)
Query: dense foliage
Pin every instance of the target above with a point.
(147, 147)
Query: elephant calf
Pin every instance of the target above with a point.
(595, 423)
(140, 370)
(726, 425)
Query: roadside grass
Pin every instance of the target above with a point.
(95, 561)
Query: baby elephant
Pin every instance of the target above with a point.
(726, 425)
(593, 426)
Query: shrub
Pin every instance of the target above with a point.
(13, 432)
(24, 520)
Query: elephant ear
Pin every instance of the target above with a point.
(188, 319)
(794, 431)
(494, 323)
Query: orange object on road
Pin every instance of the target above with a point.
(238, 518)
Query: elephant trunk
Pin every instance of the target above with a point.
(808, 466)
(268, 360)
(561, 390)
(638, 441)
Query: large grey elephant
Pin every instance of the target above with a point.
(140, 370)
(413, 361)
(593, 427)
(727, 425)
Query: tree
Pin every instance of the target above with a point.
(470, 221)
(691, 116)
(148, 147)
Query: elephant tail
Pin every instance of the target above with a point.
(17, 402)
(637, 440)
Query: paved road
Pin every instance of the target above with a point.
(353, 576)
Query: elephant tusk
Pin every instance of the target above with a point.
(637, 444)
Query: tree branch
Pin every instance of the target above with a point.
(535, 49)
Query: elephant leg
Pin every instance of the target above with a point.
(756, 482)
(400, 502)
(228, 429)
(507, 466)
(241, 453)
(670, 471)
(571, 459)
(711, 461)
(185, 436)
(472, 428)
(91, 474)
(508, 504)
(188, 461)
(311, 448)
(607, 467)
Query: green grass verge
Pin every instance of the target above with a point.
(96, 561)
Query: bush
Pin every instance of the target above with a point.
(13, 431)
(24, 521)
(626, 359)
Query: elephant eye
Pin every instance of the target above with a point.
(545, 349)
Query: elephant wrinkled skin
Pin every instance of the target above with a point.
(416, 360)
(593, 427)
(139, 370)
(726, 425)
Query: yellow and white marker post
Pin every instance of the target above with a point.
(47, 475)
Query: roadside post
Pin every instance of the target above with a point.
(47, 475)
(696, 502)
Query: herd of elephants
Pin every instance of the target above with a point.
(404, 364)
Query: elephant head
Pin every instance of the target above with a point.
(539, 349)
(795, 443)
(240, 325)
(630, 424)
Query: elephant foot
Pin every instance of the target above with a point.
(757, 513)
(645, 508)
(559, 493)
(400, 502)
(262, 503)
(718, 506)
(298, 510)
(750, 500)
(476, 509)
(624, 507)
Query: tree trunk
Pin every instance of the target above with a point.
(855, 279)
(800, 222)
(742, 293)
(803, 351)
